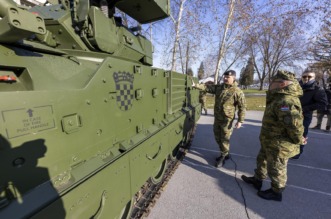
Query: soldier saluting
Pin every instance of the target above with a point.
(228, 98)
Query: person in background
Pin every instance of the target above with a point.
(202, 100)
(327, 112)
(280, 136)
(314, 98)
(228, 98)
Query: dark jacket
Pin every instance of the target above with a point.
(328, 94)
(314, 98)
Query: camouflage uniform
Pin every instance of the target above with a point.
(202, 100)
(281, 132)
(228, 98)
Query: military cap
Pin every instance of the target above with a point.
(230, 72)
(285, 75)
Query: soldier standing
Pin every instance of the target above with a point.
(281, 134)
(202, 100)
(228, 98)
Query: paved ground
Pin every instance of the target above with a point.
(198, 190)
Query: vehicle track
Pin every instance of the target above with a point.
(146, 198)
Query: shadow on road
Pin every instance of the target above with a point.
(304, 175)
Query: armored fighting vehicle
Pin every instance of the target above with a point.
(88, 127)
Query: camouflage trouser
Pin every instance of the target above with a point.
(203, 103)
(269, 163)
(222, 133)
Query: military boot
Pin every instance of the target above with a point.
(252, 180)
(270, 195)
(318, 126)
(220, 161)
(227, 157)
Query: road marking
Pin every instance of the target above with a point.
(232, 173)
(289, 163)
(318, 133)
(309, 190)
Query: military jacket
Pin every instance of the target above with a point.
(282, 123)
(228, 98)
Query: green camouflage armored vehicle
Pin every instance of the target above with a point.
(88, 127)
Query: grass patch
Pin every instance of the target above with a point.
(252, 102)
(254, 91)
(210, 101)
(255, 103)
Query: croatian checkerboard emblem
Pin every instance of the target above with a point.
(124, 90)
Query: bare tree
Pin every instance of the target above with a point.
(177, 23)
(321, 52)
(276, 46)
(185, 30)
(278, 41)
(221, 50)
(321, 49)
(200, 30)
(232, 46)
(275, 30)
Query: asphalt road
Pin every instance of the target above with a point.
(198, 190)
